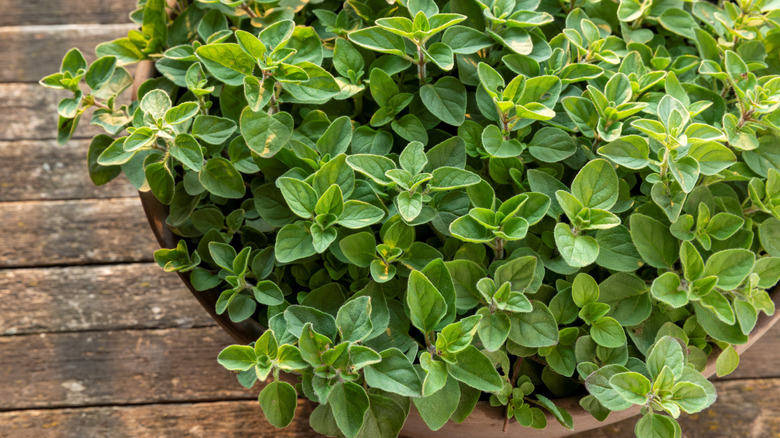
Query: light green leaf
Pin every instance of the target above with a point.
(426, 304)
(596, 185)
(394, 374)
(731, 266)
(446, 99)
(576, 250)
(474, 369)
(278, 401)
(349, 403)
(221, 178)
(300, 197)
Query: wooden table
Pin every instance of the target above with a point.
(95, 339)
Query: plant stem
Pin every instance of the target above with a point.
(499, 248)
(248, 11)
(420, 64)
(513, 381)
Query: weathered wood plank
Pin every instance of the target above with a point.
(46, 233)
(115, 368)
(30, 113)
(21, 12)
(762, 359)
(36, 51)
(39, 170)
(111, 297)
(222, 419)
(745, 409)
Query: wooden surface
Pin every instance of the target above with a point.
(95, 339)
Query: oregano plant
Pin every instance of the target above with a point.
(430, 203)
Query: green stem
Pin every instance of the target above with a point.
(420, 64)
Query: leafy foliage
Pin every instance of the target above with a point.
(428, 200)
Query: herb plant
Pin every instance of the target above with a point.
(434, 202)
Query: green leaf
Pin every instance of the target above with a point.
(320, 87)
(353, 319)
(413, 158)
(186, 149)
(466, 228)
(278, 401)
(448, 178)
(731, 266)
(437, 408)
(409, 205)
(598, 385)
(410, 128)
(293, 243)
(727, 361)
(576, 250)
(125, 51)
(534, 329)
(298, 316)
(657, 426)
(464, 40)
(394, 374)
(608, 333)
(519, 272)
(689, 396)
(426, 304)
(494, 143)
(679, 21)
(379, 40)
(98, 173)
(596, 185)
(268, 293)
(346, 58)
(493, 329)
(265, 135)
(100, 72)
(474, 369)
(227, 62)
(630, 151)
(212, 129)
(349, 403)
(560, 414)
(384, 418)
(666, 352)
(446, 99)
(584, 290)
(666, 288)
(160, 181)
(221, 178)
(336, 139)
(653, 240)
(277, 34)
(237, 358)
(140, 138)
(551, 145)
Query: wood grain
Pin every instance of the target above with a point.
(46, 233)
(36, 51)
(21, 12)
(30, 113)
(42, 169)
(197, 420)
(111, 297)
(745, 409)
(115, 368)
(762, 359)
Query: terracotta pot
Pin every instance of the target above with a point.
(485, 421)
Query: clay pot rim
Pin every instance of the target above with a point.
(484, 418)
